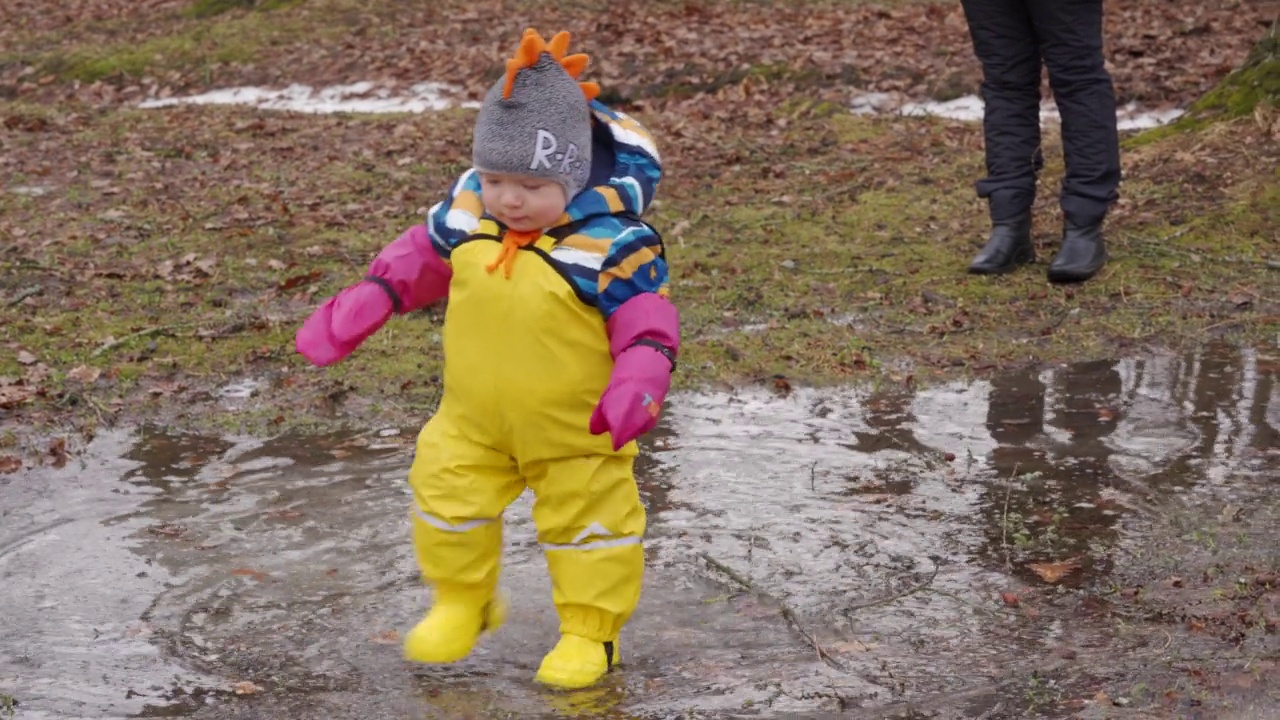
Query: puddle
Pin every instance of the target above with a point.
(170, 575)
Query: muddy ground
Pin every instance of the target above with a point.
(884, 489)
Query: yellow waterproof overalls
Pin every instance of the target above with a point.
(525, 364)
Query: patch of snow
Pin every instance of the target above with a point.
(870, 103)
(969, 108)
(29, 190)
(361, 97)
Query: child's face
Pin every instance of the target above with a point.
(520, 202)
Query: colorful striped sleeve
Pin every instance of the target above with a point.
(457, 216)
(634, 265)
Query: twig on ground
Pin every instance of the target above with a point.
(790, 617)
(786, 612)
(134, 336)
(732, 574)
(1241, 321)
(25, 293)
(896, 596)
(1004, 518)
(99, 411)
(962, 601)
(1177, 233)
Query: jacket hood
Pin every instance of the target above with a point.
(624, 179)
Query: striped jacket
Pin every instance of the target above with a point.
(607, 251)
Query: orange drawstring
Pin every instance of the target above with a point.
(512, 241)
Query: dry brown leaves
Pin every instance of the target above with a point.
(1160, 52)
(1054, 572)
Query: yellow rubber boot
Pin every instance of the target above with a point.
(450, 630)
(576, 662)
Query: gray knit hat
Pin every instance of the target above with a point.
(535, 120)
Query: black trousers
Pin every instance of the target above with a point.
(1012, 38)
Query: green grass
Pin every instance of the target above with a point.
(1255, 84)
(202, 9)
(201, 38)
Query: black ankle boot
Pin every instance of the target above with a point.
(1008, 247)
(1082, 255)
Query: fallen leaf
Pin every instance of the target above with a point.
(388, 637)
(26, 358)
(9, 464)
(165, 388)
(12, 396)
(1195, 625)
(250, 572)
(84, 374)
(1240, 681)
(58, 452)
(37, 374)
(876, 499)
(851, 646)
(168, 530)
(1230, 513)
(244, 687)
(1055, 571)
(299, 280)
(1240, 298)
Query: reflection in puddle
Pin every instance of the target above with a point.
(179, 575)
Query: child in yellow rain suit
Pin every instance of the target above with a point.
(559, 344)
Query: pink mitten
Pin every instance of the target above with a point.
(338, 326)
(408, 274)
(643, 339)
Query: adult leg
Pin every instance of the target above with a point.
(460, 489)
(590, 524)
(1070, 32)
(1005, 43)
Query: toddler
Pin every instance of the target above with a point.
(559, 343)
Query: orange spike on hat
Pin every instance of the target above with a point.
(531, 48)
(559, 45)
